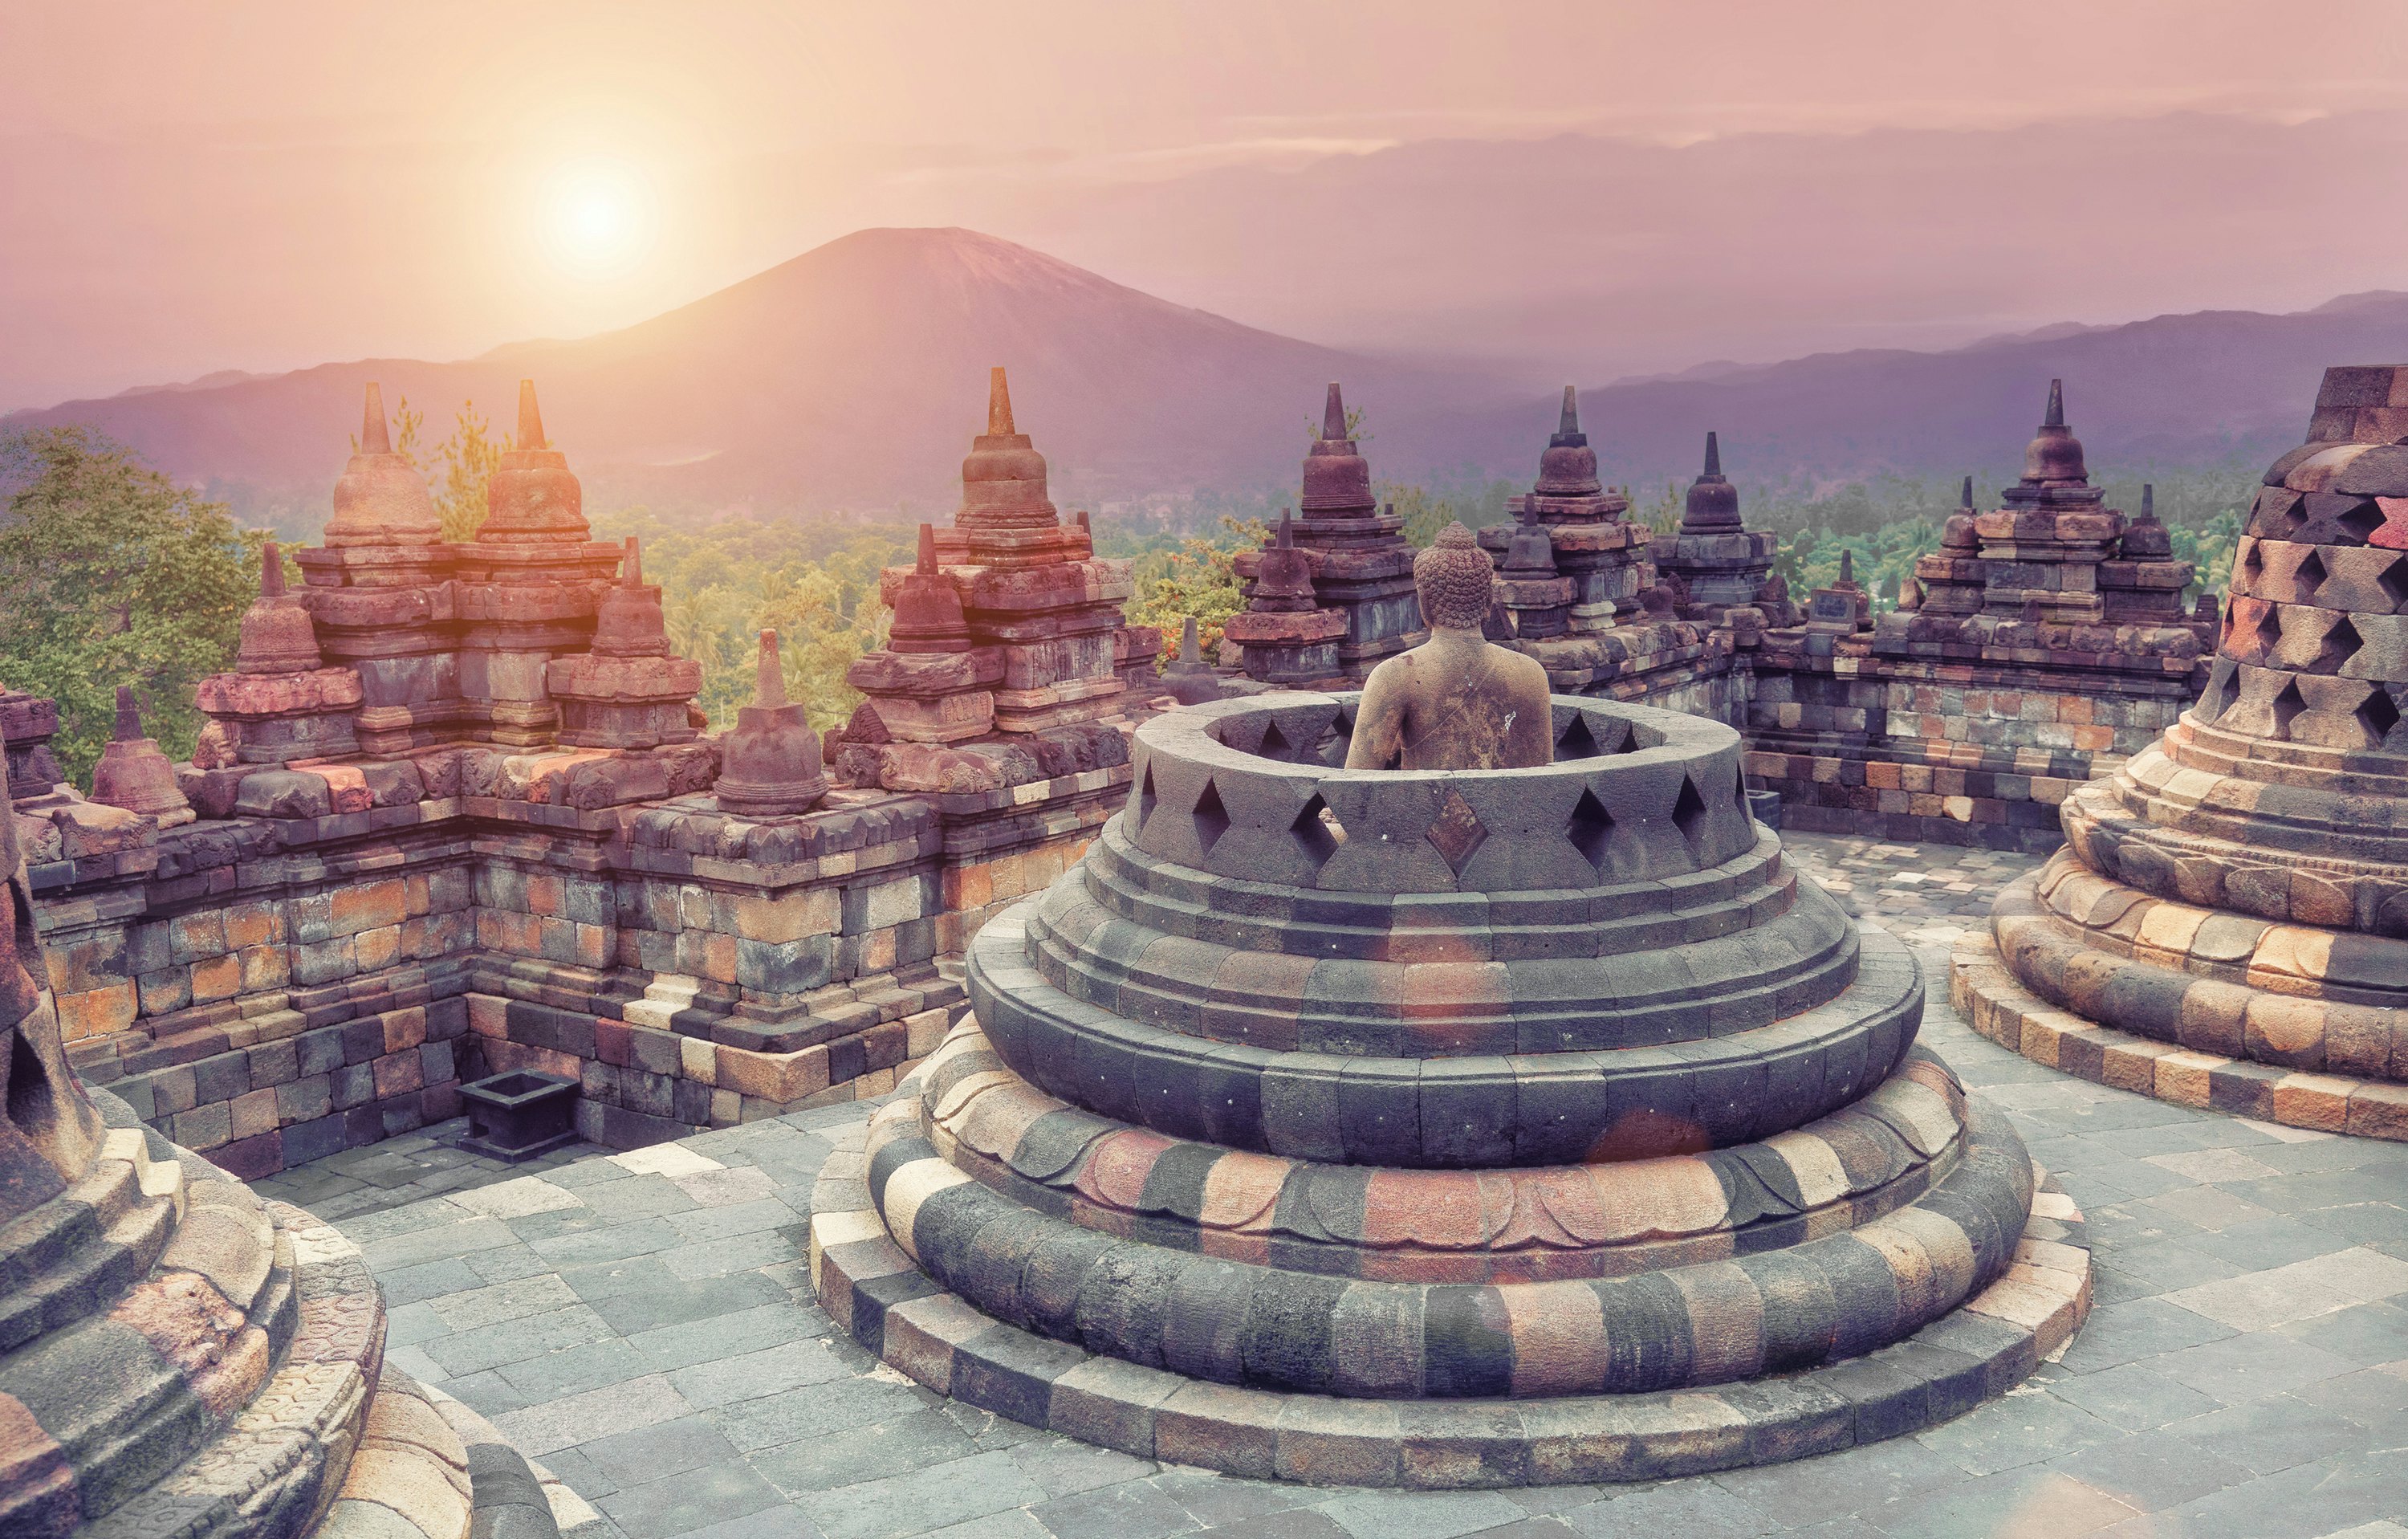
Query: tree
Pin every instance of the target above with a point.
(469, 456)
(1200, 578)
(115, 576)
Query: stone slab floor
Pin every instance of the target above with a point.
(643, 1323)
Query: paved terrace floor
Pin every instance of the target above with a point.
(644, 1324)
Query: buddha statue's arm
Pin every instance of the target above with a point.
(1378, 741)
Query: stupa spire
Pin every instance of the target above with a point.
(1714, 455)
(2055, 417)
(271, 571)
(530, 419)
(374, 438)
(129, 715)
(1570, 422)
(770, 675)
(1333, 415)
(1965, 501)
(927, 563)
(998, 404)
(631, 572)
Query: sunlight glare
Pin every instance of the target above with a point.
(598, 221)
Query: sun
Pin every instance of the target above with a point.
(597, 221)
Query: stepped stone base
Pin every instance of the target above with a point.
(874, 1288)
(2000, 1008)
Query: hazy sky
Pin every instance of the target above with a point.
(186, 188)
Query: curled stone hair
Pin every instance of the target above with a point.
(1453, 576)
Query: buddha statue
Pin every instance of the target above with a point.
(1458, 701)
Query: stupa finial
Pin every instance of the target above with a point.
(1190, 651)
(1965, 501)
(2055, 417)
(925, 565)
(998, 405)
(632, 572)
(271, 571)
(530, 419)
(129, 715)
(1714, 455)
(1333, 415)
(770, 685)
(2148, 499)
(1286, 529)
(1570, 422)
(374, 440)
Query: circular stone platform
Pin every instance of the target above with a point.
(1535, 1124)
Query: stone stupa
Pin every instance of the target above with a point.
(1441, 1128)
(2228, 923)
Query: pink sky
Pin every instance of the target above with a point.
(186, 188)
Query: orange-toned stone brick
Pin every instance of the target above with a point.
(399, 1073)
(366, 905)
(216, 978)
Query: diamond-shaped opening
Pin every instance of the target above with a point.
(1689, 813)
(2288, 705)
(1145, 801)
(2378, 713)
(1211, 818)
(1738, 786)
(1590, 827)
(2269, 631)
(2340, 645)
(2362, 520)
(2223, 688)
(1457, 833)
(1336, 739)
(1317, 828)
(1275, 744)
(2295, 517)
(2253, 562)
(2311, 576)
(1577, 741)
(2393, 580)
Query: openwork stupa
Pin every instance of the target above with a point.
(2228, 924)
(1442, 1129)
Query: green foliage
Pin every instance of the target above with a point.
(469, 456)
(1427, 509)
(1198, 577)
(115, 575)
(814, 584)
(455, 470)
(2203, 510)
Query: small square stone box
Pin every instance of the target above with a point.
(519, 1114)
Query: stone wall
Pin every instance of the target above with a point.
(271, 989)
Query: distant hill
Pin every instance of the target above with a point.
(850, 376)
(2176, 390)
(853, 376)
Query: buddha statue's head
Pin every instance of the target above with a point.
(1453, 577)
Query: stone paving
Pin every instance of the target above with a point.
(643, 1324)
(426, 1163)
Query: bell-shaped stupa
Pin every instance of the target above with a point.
(1361, 568)
(380, 500)
(2228, 923)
